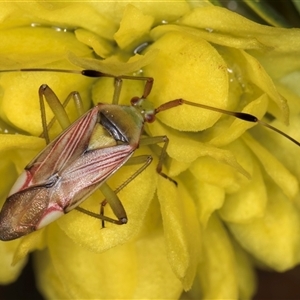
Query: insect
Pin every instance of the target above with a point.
(85, 155)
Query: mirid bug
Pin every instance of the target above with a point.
(85, 155)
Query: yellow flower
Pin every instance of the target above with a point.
(236, 205)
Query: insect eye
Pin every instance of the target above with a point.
(135, 101)
(149, 117)
(145, 108)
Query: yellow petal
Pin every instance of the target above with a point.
(186, 147)
(284, 150)
(223, 27)
(229, 129)
(21, 107)
(134, 27)
(274, 238)
(8, 272)
(16, 151)
(100, 45)
(162, 11)
(250, 200)
(210, 198)
(221, 169)
(20, 102)
(287, 63)
(258, 76)
(29, 243)
(288, 87)
(207, 197)
(52, 47)
(175, 167)
(8, 175)
(179, 220)
(246, 274)
(135, 197)
(248, 203)
(205, 80)
(113, 65)
(208, 34)
(285, 180)
(123, 272)
(9, 143)
(94, 16)
(219, 20)
(217, 274)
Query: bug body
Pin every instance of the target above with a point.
(70, 168)
(85, 155)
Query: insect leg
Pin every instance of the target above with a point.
(111, 195)
(58, 108)
(156, 140)
(117, 90)
(115, 204)
(119, 83)
(141, 159)
(148, 83)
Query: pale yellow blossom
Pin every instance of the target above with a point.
(237, 200)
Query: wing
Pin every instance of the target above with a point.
(79, 179)
(65, 149)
